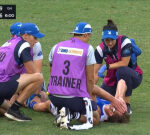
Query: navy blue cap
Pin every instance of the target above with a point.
(113, 34)
(82, 28)
(31, 29)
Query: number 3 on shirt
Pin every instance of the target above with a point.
(66, 69)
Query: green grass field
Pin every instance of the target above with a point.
(55, 19)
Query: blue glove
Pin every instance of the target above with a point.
(101, 71)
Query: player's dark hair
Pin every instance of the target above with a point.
(77, 34)
(125, 118)
(110, 25)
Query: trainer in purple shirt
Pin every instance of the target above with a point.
(72, 71)
(14, 56)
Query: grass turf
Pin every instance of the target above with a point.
(55, 19)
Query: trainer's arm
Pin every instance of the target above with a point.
(126, 52)
(105, 95)
(51, 57)
(90, 78)
(24, 53)
(30, 67)
(124, 62)
(99, 61)
(38, 65)
(90, 62)
(96, 68)
(37, 57)
(102, 93)
(50, 68)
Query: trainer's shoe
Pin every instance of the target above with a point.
(129, 109)
(63, 118)
(16, 115)
(61, 114)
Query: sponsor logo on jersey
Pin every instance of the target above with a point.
(70, 51)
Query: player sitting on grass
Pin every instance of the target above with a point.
(38, 101)
(16, 56)
(36, 53)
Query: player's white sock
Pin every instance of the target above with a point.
(75, 115)
(53, 109)
(89, 111)
(89, 115)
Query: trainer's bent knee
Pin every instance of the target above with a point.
(122, 82)
(39, 77)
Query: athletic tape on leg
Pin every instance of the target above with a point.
(53, 109)
(89, 115)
